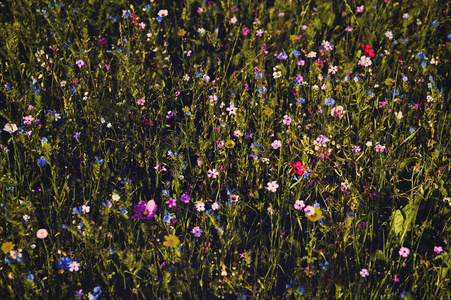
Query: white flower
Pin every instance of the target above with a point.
(369, 144)
(277, 74)
(398, 115)
(26, 217)
(163, 13)
(365, 61)
(115, 197)
(200, 206)
(186, 77)
(10, 127)
(276, 144)
(389, 34)
(429, 98)
(74, 266)
(338, 111)
(311, 54)
(85, 209)
(272, 186)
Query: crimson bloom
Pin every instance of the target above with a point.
(145, 211)
(298, 168)
(367, 50)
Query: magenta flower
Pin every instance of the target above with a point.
(299, 204)
(145, 211)
(438, 249)
(197, 231)
(404, 251)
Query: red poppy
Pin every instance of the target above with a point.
(298, 168)
(367, 50)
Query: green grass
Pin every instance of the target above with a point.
(74, 78)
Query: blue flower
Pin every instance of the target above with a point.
(301, 290)
(147, 7)
(449, 36)
(420, 55)
(411, 129)
(42, 161)
(296, 53)
(64, 262)
(96, 292)
(435, 23)
(329, 101)
(262, 90)
(301, 100)
(159, 19)
(424, 64)
(394, 91)
(73, 90)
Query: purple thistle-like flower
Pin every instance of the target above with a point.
(145, 211)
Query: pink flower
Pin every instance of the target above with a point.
(259, 32)
(233, 20)
(141, 101)
(213, 173)
(42, 234)
(364, 273)
(438, 249)
(404, 251)
(309, 210)
(276, 144)
(287, 120)
(299, 204)
(145, 211)
(28, 119)
(171, 202)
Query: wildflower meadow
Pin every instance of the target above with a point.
(232, 149)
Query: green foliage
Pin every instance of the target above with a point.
(126, 107)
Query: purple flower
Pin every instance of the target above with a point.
(79, 293)
(197, 231)
(185, 198)
(77, 135)
(145, 211)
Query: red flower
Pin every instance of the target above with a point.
(135, 19)
(298, 168)
(367, 51)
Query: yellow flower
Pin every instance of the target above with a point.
(185, 109)
(171, 241)
(8, 246)
(389, 81)
(229, 144)
(318, 215)
(181, 32)
(268, 111)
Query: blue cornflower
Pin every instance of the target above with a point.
(370, 94)
(159, 19)
(301, 100)
(42, 161)
(329, 101)
(296, 53)
(73, 90)
(147, 7)
(412, 129)
(11, 188)
(301, 290)
(435, 23)
(258, 75)
(420, 55)
(64, 262)
(394, 91)
(424, 64)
